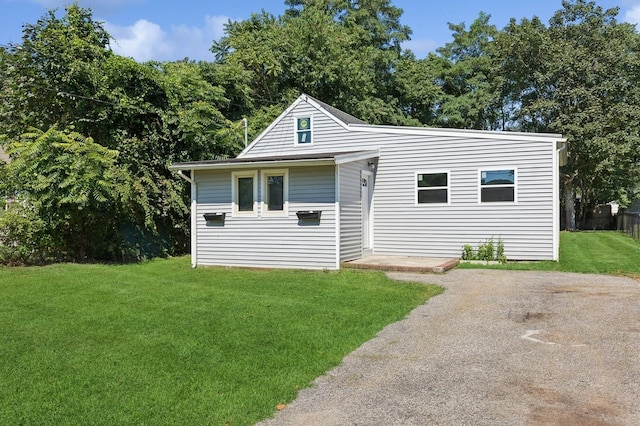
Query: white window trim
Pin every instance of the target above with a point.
(416, 188)
(285, 195)
(234, 193)
(515, 185)
(295, 129)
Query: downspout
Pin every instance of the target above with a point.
(336, 206)
(557, 160)
(194, 219)
(555, 206)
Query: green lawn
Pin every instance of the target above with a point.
(602, 252)
(161, 343)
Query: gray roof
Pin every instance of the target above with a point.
(340, 115)
(292, 159)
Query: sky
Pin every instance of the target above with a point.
(165, 30)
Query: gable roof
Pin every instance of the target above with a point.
(340, 115)
(351, 123)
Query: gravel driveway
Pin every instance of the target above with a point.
(497, 348)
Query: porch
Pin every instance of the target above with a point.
(383, 262)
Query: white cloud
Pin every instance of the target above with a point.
(142, 41)
(146, 40)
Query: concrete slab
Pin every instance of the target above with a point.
(381, 262)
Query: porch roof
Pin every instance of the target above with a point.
(325, 158)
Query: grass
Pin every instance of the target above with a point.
(161, 343)
(597, 252)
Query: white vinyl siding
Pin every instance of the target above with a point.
(351, 210)
(403, 228)
(268, 241)
(278, 140)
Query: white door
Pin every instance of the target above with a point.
(366, 195)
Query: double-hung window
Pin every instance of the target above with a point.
(275, 192)
(303, 130)
(244, 186)
(432, 188)
(498, 185)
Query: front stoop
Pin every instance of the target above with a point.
(402, 263)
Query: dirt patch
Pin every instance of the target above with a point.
(551, 407)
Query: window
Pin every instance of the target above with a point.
(497, 185)
(244, 186)
(303, 130)
(432, 188)
(275, 188)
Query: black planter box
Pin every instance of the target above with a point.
(309, 214)
(214, 217)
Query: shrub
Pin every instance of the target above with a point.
(23, 237)
(487, 251)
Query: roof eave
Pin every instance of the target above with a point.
(245, 164)
(487, 134)
(237, 163)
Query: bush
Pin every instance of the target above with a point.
(23, 237)
(487, 251)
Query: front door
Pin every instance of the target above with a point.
(366, 197)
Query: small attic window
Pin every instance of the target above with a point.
(303, 130)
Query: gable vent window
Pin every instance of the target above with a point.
(497, 185)
(304, 130)
(432, 188)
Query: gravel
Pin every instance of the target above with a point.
(496, 348)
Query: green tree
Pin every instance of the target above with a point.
(73, 186)
(419, 89)
(343, 52)
(470, 98)
(579, 77)
(63, 75)
(49, 78)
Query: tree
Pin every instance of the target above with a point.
(579, 77)
(343, 52)
(64, 76)
(74, 187)
(49, 78)
(467, 77)
(419, 87)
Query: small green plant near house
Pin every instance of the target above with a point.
(487, 251)
(467, 252)
(585, 252)
(500, 256)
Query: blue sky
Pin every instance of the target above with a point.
(172, 30)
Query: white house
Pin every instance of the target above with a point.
(319, 187)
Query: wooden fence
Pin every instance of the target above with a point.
(629, 223)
